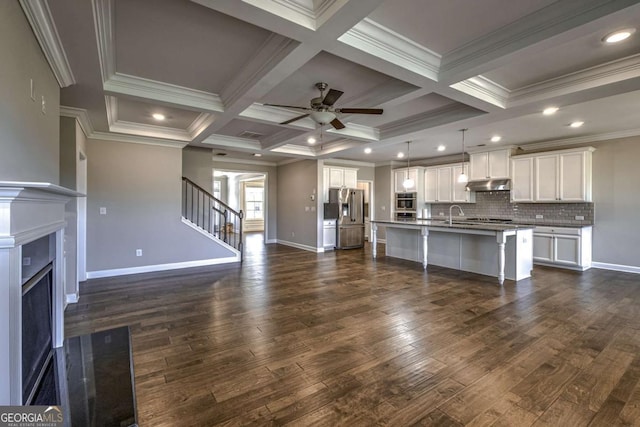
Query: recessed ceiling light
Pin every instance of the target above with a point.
(400, 155)
(311, 140)
(158, 116)
(618, 36)
(441, 147)
(549, 111)
(257, 155)
(576, 124)
(496, 138)
(368, 150)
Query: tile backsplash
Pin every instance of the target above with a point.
(497, 204)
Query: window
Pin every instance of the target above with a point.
(216, 190)
(254, 202)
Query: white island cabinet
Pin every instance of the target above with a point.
(502, 251)
(568, 247)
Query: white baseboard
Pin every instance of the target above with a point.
(72, 298)
(270, 241)
(616, 267)
(159, 267)
(300, 246)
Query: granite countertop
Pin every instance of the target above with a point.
(458, 223)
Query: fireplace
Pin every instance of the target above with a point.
(31, 289)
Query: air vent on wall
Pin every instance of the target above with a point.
(221, 154)
(251, 135)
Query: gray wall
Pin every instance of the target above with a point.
(616, 234)
(197, 166)
(29, 139)
(297, 182)
(382, 196)
(140, 186)
(271, 188)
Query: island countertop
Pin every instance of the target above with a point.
(456, 223)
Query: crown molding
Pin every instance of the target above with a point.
(345, 162)
(600, 75)
(297, 150)
(166, 93)
(103, 13)
(131, 139)
(243, 161)
(241, 144)
(356, 131)
(44, 28)
(307, 13)
(581, 140)
(272, 52)
(482, 88)
(437, 117)
(81, 116)
(200, 124)
(273, 115)
(375, 39)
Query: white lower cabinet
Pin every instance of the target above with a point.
(563, 246)
(329, 234)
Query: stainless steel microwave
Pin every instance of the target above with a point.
(406, 201)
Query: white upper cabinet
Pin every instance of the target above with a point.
(522, 180)
(442, 186)
(489, 164)
(557, 176)
(338, 177)
(546, 178)
(402, 174)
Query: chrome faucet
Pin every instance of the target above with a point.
(451, 214)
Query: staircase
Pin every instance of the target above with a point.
(212, 215)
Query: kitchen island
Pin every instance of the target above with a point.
(498, 250)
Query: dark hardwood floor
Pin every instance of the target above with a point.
(293, 337)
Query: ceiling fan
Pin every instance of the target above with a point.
(322, 111)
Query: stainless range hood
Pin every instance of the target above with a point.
(489, 185)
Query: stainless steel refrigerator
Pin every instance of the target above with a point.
(350, 223)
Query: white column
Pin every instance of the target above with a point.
(425, 246)
(374, 239)
(501, 239)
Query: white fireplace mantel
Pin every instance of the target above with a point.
(28, 211)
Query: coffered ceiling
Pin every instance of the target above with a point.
(433, 66)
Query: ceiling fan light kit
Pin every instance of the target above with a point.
(321, 108)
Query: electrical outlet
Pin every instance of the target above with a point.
(306, 208)
(138, 252)
(538, 216)
(103, 211)
(293, 234)
(580, 217)
(44, 105)
(26, 261)
(384, 208)
(441, 213)
(313, 208)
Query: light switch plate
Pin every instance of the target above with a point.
(103, 211)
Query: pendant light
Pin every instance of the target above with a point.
(408, 182)
(463, 176)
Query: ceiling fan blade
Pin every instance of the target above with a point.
(288, 106)
(337, 124)
(332, 97)
(294, 119)
(360, 110)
